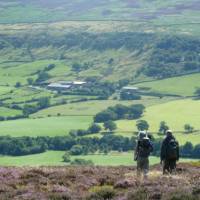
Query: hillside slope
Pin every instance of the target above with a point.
(168, 11)
(98, 183)
(100, 55)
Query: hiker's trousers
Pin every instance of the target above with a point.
(169, 166)
(142, 166)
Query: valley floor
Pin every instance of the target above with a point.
(115, 183)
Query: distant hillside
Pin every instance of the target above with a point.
(98, 183)
(138, 56)
(176, 11)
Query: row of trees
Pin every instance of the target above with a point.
(95, 128)
(120, 112)
(163, 127)
(99, 41)
(42, 103)
(82, 145)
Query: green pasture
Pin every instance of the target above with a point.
(20, 72)
(175, 113)
(95, 106)
(6, 112)
(5, 89)
(125, 62)
(24, 94)
(54, 158)
(182, 85)
(50, 126)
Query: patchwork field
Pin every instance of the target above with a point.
(108, 44)
(95, 106)
(175, 113)
(6, 112)
(54, 158)
(50, 126)
(182, 85)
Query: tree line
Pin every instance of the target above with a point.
(82, 145)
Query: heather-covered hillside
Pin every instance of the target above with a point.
(12, 11)
(96, 183)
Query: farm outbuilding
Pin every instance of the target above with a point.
(65, 85)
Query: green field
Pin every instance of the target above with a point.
(6, 112)
(5, 89)
(50, 126)
(175, 113)
(182, 85)
(54, 158)
(95, 106)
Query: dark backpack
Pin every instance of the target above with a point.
(144, 147)
(172, 149)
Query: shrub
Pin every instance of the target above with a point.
(76, 150)
(163, 127)
(42, 76)
(18, 84)
(140, 194)
(80, 161)
(60, 196)
(180, 195)
(30, 81)
(142, 125)
(66, 157)
(101, 193)
(188, 128)
(43, 102)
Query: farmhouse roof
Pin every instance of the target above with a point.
(59, 85)
(129, 88)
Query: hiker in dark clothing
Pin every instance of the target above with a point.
(143, 149)
(169, 153)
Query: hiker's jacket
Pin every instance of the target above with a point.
(141, 152)
(165, 146)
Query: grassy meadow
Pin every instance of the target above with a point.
(6, 112)
(50, 126)
(176, 113)
(182, 85)
(95, 106)
(54, 158)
